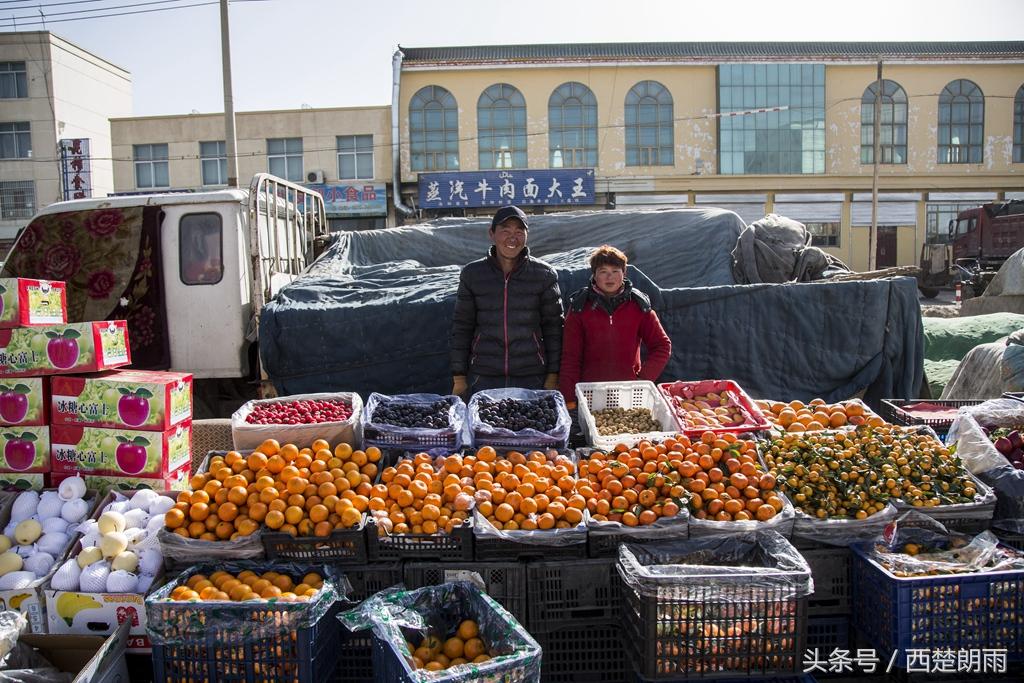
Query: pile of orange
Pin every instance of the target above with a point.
(527, 492)
(816, 415)
(516, 491)
(463, 647)
(299, 491)
(725, 481)
(416, 497)
(634, 486)
(248, 585)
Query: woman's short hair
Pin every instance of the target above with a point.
(607, 255)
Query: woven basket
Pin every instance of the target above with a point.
(209, 435)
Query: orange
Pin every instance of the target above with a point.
(274, 519)
(318, 513)
(454, 647)
(174, 518)
(198, 511)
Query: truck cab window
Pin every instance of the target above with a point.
(201, 249)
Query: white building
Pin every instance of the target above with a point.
(53, 90)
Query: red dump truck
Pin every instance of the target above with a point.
(980, 241)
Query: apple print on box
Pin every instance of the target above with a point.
(62, 348)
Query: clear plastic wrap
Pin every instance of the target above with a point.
(917, 545)
(782, 523)
(397, 616)
(738, 567)
(245, 435)
(172, 622)
(666, 528)
(181, 550)
(548, 537)
(12, 625)
(842, 532)
(485, 434)
(388, 435)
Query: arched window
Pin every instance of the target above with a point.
(501, 127)
(961, 123)
(572, 126)
(1018, 126)
(434, 130)
(892, 128)
(649, 127)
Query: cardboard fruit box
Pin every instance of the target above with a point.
(121, 399)
(87, 659)
(64, 349)
(120, 452)
(175, 481)
(25, 302)
(24, 449)
(25, 402)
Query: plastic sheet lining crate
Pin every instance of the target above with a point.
(830, 569)
(715, 623)
(341, 546)
(1009, 538)
(229, 654)
(454, 547)
(503, 581)
(957, 612)
(483, 434)
(583, 652)
(576, 591)
(894, 412)
(355, 660)
(388, 436)
(968, 518)
(593, 396)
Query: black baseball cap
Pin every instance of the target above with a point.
(506, 212)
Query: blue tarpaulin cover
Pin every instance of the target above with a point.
(373, 313)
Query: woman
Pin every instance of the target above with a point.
(605, 326)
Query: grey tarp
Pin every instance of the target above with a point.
(374, 312)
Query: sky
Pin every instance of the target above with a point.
(337, 53)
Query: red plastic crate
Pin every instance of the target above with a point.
(754, 419)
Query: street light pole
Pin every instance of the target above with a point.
(229, 104)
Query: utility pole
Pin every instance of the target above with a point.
(873, 232)
(229, 103)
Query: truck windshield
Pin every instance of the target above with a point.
(964, 226)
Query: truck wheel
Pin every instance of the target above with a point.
(928, 292)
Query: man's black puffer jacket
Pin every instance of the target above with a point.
(507, 326)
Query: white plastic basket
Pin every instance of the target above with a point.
(591, 396)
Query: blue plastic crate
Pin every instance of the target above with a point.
(957, 612)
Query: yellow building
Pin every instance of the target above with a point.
(343, 151)
(753, 127)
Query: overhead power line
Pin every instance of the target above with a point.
(87, 11)
(115, 14)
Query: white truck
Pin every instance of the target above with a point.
(202, 263)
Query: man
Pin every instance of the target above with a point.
(507, 327)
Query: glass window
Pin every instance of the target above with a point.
(790, 141)
(937, 218)
(355, 157)
(1018, 126)
(151, 166)
(961, 123)
(892, 127)
(501, 127)
(13, 80)
(213, 159)
(17, 199)
(284, 158)
(15, 140)
(823, 234)
(433, 130)
(201, 249)
(650, 130)
(572, 126)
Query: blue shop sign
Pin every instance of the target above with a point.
(547, 187)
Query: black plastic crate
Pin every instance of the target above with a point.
(372, 578)
(1009, 538)
(605, 544)
(892, 412)
(825, 634)
(796, 678)
(503, 581)
(454, 547)
(342, 546)
(500, 550)
(221, 654)
(584, 652)
(707, 633)
(355, 660)
(572, 591)
(830, 569)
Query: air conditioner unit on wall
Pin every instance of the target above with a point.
(315, 177)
